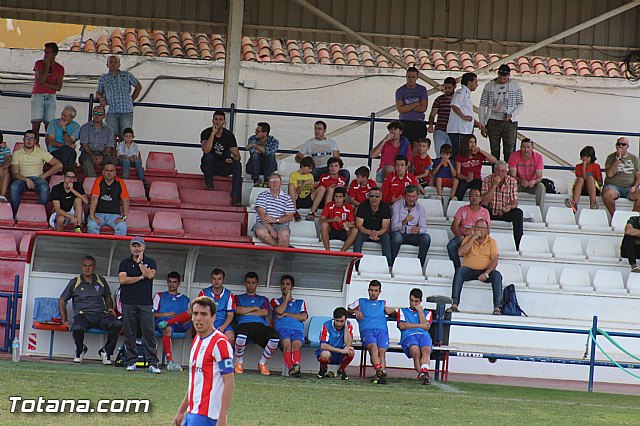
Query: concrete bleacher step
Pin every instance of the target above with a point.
(208, 229)
(203, 199)
(192, 181)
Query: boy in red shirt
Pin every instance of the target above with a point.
(337, 221)
(394, 183)
(326, 185)
(360, 186)
(422, 163)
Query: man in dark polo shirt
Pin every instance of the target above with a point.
(373, 220)
(92, 308)
(107, 193)
(136, 275)
(221, 157)
(67, 198)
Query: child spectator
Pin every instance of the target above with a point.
(396, 182)
(336, 345)
(392, 145)
(337, 221)
(422, 163)
(469, 166)
(360, 186)
(5, 165)
(128, 153)
(301, 184)
(326, 184)
(444, 170)
(588, 174)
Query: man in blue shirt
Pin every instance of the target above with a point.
(289, 315)
(262, 149)
(411, 102)
(62, 134)
(252, 311)
(372, 314)
(336, 345)
(414, 323)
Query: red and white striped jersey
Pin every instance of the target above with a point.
(210, 359)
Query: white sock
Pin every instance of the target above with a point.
(272, 345)
(241, 341)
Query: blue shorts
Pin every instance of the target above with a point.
(198, 420)
(336, 358)
(623, 191)
(379, 337)
(420, 340)
(287, 333)
(229, 328)
(177, 328)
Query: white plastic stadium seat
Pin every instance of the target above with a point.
(633, 284)
(439, 271)
(532, 216)
(506, 244)
(561, 218)
(542, 278)
(619, 219)
(439, 240)
(303, 232)
(407, 269)
(575, 280)
(609, 282)
(435, 213)
(254, 194)
(453, 207)
(511, 274)
(568, 248)
(373, 266)
(594, 220)
(601, 250)
(535, 246)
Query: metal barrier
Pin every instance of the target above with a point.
(10, 320)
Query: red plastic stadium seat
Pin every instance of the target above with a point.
(17, 146)
(6, 215)
(24, 245)
(32, 216)
(168, 224)
(87, 184)
(136, 191)
(54, 180)
(8, 246)
(164, 194)
(10, 268)
(161, 163)
(138, 223)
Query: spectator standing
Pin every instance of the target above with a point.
(461, 121)
(588, 180)
(68, 199)
(136, 274)
(106, 195)
(409, 225)
(500, 196)
(412, 100)
(480, 260)
(463, 223)
(5, 169)
(414, 323)
(129, 152)
(262, 154)
(527, 166)
(221, 157)
(321, 149)
(97, 141)
(442, 108)
(275, 210)
(92, 308)
(27, 169)
(62, 134)
(337, 221)
(392, 145)
(500, 105)
(622, 171)
(373, 221)
(48, 79)
(469, 166)
(114, 89)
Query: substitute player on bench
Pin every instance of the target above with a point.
(414, 323)
(336, 345)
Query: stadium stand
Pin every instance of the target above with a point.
(160, 164)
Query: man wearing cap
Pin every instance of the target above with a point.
(136, 274)
(500, 104)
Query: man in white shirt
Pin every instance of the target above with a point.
(461, 121)
(321, 149)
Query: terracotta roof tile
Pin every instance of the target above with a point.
(162, 49)
(612, 69)
(467, 62)
(89, 47)
(409, 57)
(248, 52)
(539, 66)
(367, 57)
(75, 46)
(481, 60)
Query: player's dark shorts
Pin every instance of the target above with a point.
(177, 328)
(379, 337)
(414, 130)
(337, 234)
(287, 333)
(198, 420)
(420, 340)
(304, 203)
(259, 334)
(336, 358)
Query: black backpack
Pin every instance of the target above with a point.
(140, 362)
(549, 186)
(510, 302)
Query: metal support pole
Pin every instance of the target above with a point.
(592, 358)
(439, 329)
(14, 308)
(91, 101)
(232, 116)
(372, 126)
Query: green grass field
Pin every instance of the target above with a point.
(308, 401)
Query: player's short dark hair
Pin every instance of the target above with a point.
(416, 292)
(206, 302)
(375, 283)
(375, 188)
(446, 149)
(363, 171)
(308, 162)
(265, 126)
(127, 131)
(107, 162)
(217, 271)
(53, 46)
(589, 151)
(425, 140)
(340, 190)
(395, 124)
(410, 188)
(288, 277)
(322, 123)
(29, 132)
(332, 160)
(339, 313)
(402, 157)
(251, 274)
(174, 274)
(219, 112)
(413, 69)
(89, 257)
(467, 78)
(71, 169)
(450, 80)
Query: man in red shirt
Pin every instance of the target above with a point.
(338, 221)
(47, 81)
(394, 183)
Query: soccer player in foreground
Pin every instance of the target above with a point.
(414, 323)
(336, 345)
(208, 397)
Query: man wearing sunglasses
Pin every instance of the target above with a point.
(373, 220)
(97, 140)
(622, 178)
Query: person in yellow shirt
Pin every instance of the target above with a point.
(301, 184)
(480, 260)
(27, 169)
